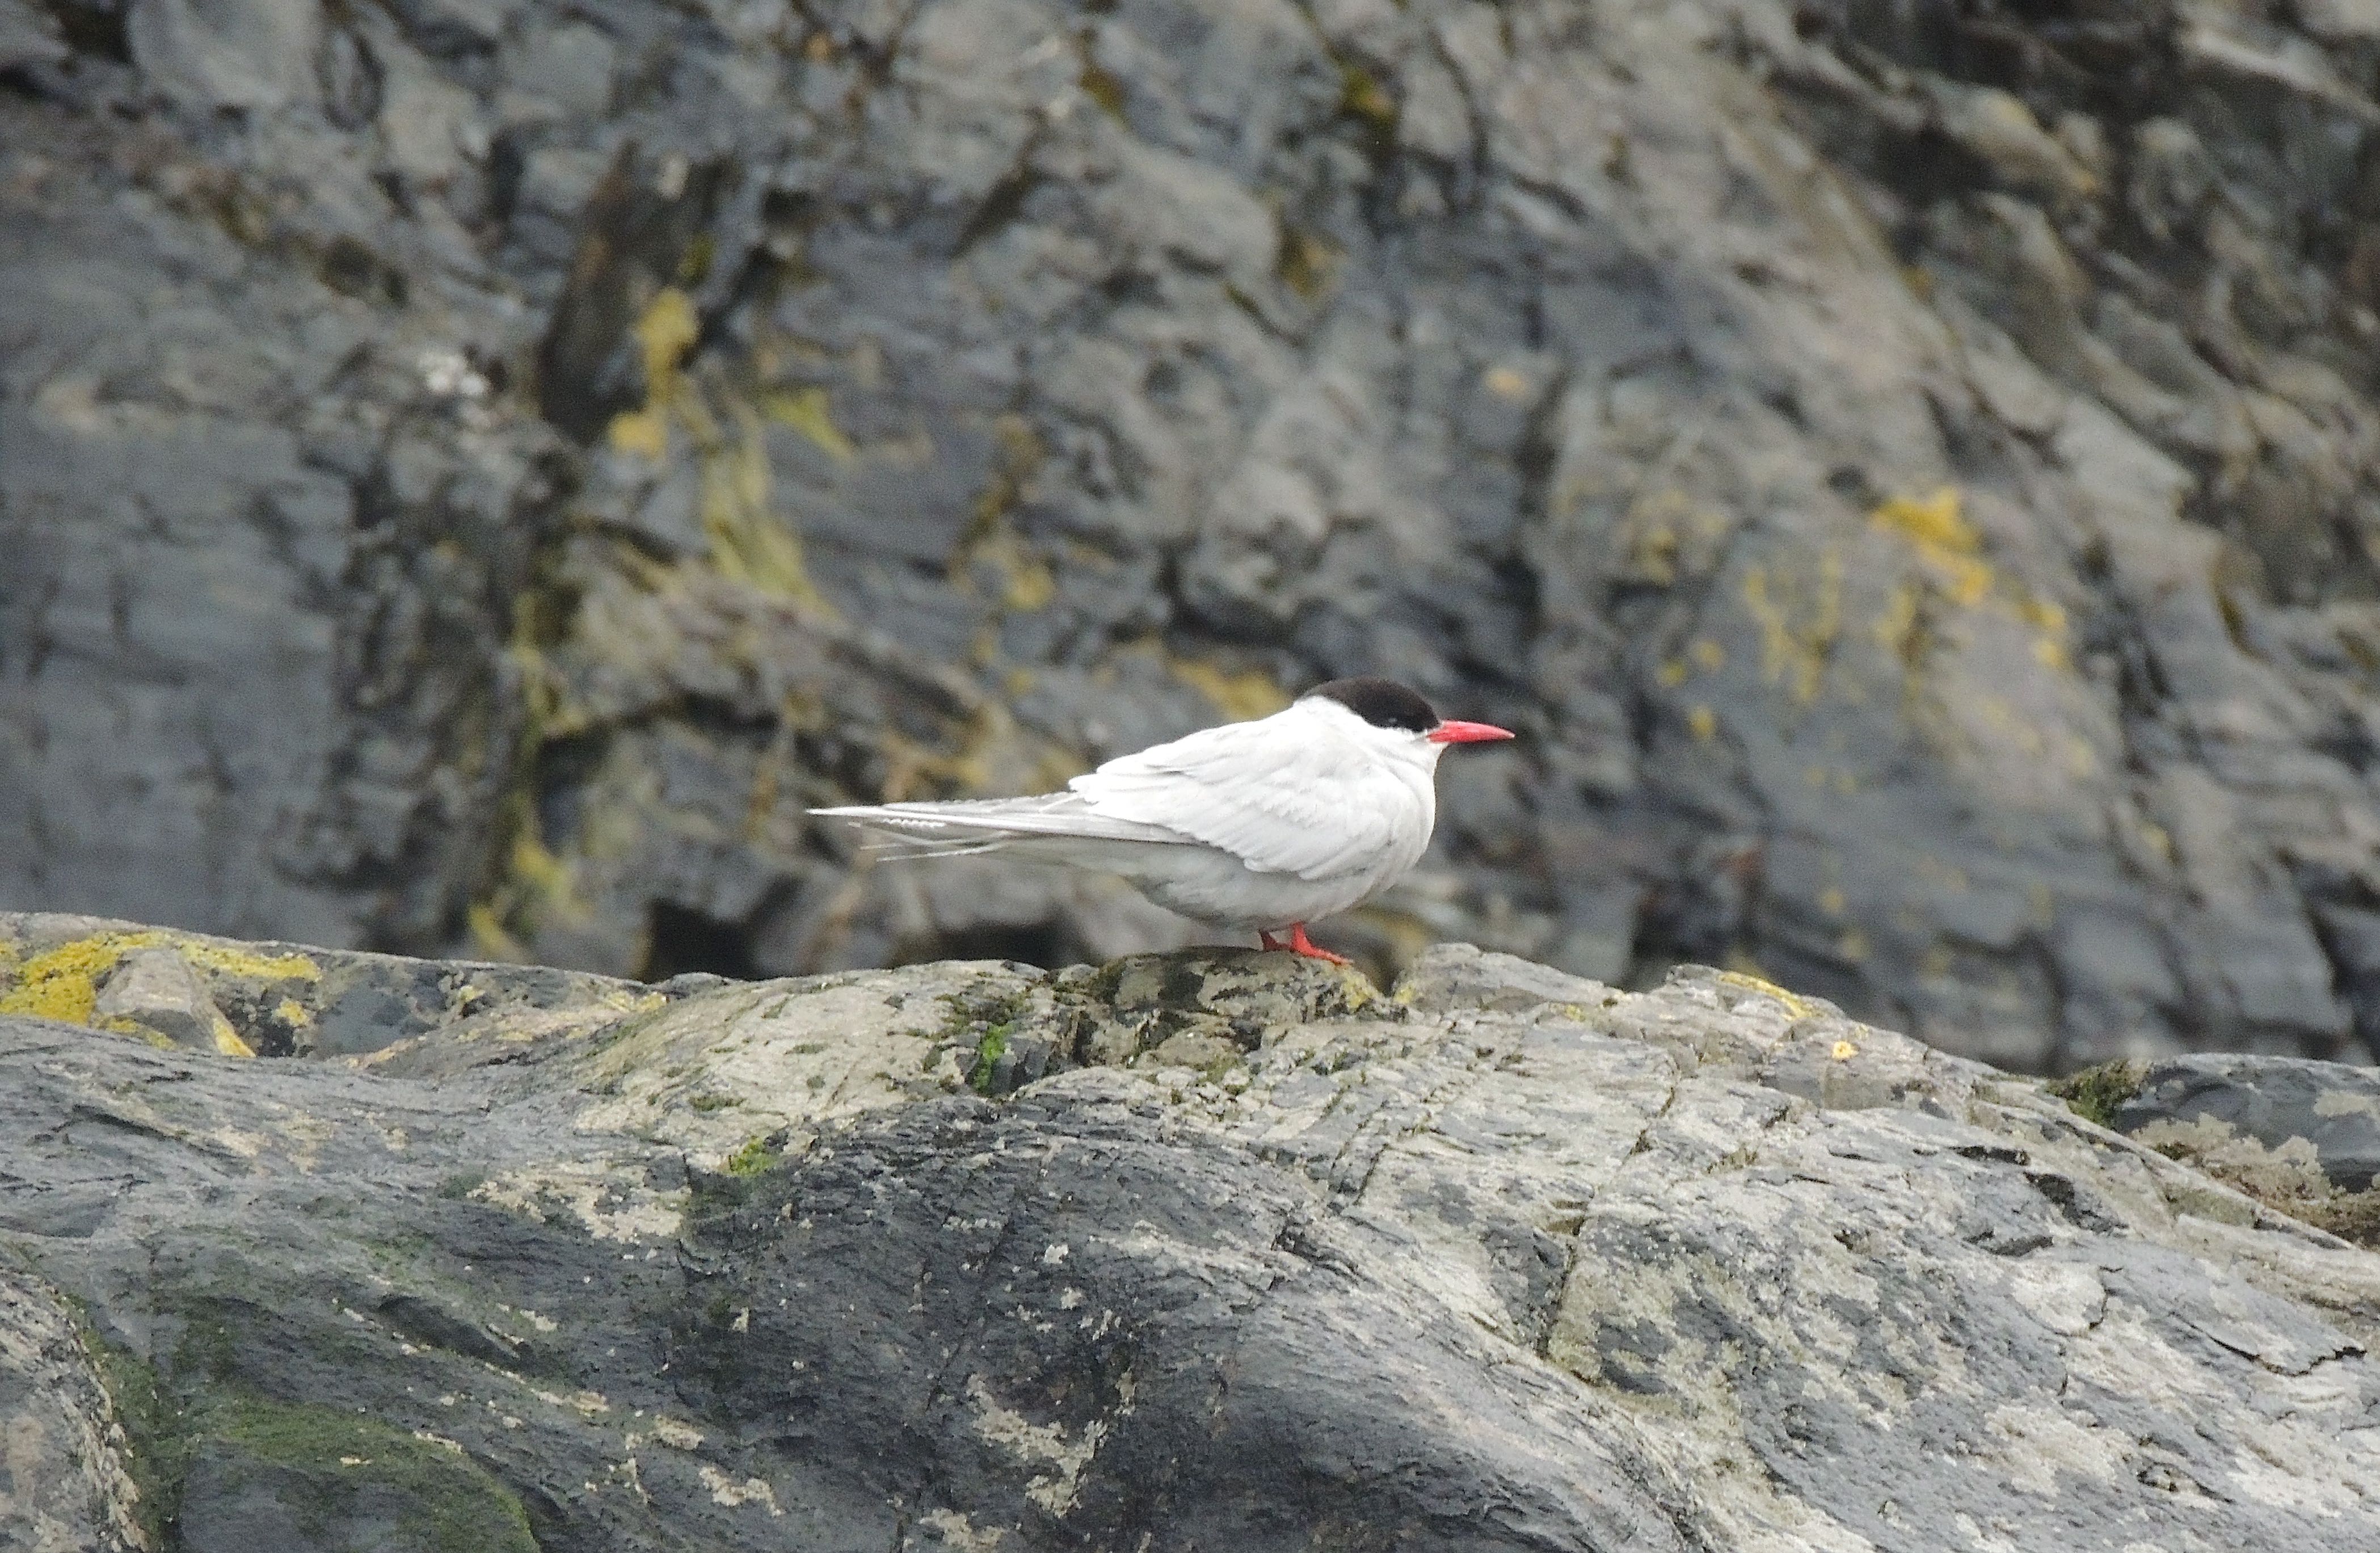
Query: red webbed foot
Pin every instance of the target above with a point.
(1298, 943)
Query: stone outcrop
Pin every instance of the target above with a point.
(471, 474)
(1200, 1250)
(2300, 1136)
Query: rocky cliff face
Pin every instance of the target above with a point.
(470, 472)
(1193, 1251)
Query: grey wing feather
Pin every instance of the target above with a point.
(990, 821)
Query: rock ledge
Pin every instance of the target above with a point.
(1206, 1250)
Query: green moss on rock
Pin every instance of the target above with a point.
(989, 1050)
(2095, 1093)
(155, 1454)
(342, 1471)
(756, 1155)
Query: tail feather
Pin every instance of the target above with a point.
(984, 824)
(902, 847)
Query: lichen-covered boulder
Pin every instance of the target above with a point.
(2334, 1108)
(2300, 1134)
(1209, 1250)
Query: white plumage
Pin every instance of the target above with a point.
(1265, 825)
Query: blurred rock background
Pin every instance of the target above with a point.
(472, 472)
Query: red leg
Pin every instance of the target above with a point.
(1263, 936)
(1300, 944)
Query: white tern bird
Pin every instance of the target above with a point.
(1265, 825)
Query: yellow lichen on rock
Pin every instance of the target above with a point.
(489, 935)
(1896, 629)
(233, 961)
(989, 752)
(116, 1024)
(1308, 264)
(63, 983)
(644, 431)
(1798, 1007)
(1362, 96)
(665, 332)
(2048, 621)
(1026, 581)
(1938, 527)
(1951, 550)
(1796, 644)
(1030, 584)
(806, 410)
(1238, 695)
(749, 544)
(537, 887)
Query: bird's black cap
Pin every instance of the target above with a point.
(1383, 703)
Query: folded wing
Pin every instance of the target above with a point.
(1279, 800)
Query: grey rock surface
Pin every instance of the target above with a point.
(155, 991)
(28, 35)
(63, 1487)
(1505, 1259)
(471, 474)
(2334, 1108)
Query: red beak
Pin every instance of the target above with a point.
(1467, 732)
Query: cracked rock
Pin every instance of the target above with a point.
(1503, 1259)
